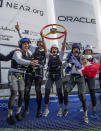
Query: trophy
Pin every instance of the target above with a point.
(53, 30)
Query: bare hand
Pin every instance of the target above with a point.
(41, 33)
(80, 55)
(17, 27)
(34, 62)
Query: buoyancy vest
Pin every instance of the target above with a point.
(54, 64)
(16, 65)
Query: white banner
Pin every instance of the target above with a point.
(30, 14)
(81, 19)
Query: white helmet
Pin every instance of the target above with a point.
(88, 47)
(54, 46)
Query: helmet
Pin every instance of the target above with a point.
(38, 41)
(88, 47)
(84, 57)
(76, 45)
(23, 40)
(54, 46)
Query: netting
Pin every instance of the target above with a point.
(73, 121)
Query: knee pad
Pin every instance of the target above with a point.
(59, 90)
(38, 90)
(92, 91)
(60, 96)
(13, 94)
(21, 94)
(46, 99)
(47, 91)
(12, 99)
(39, 96)
(27, 93)
(82, 97)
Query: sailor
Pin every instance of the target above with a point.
(34, 73)
(54, 76)
(73, 62)
(20, 61)
(88, 53)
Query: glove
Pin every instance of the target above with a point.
(69, 65)
(89, 57)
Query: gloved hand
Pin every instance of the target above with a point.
(69, 65)
(89, 57)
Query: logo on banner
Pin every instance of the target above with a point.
(77, 19)
(1, 2)
(21, 7)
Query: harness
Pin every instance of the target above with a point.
(37, 71)
(75, 76)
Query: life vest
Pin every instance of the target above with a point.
(54, 64)
(16, 65)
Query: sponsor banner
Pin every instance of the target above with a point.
(81, 21)
(30, 14)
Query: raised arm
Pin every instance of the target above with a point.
(7, 57)
(44, 44)
(17, 27)
(64, 42)
(2, 57)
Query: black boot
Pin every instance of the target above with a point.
(39, 113)
(10, 120)
(18, 117)
(24, 113)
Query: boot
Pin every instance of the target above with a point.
(86, 119)
(24, 113)
(18, 117)
(10, 120)
(39, 113)
(94, 115)
(60, 113)
(65, 112)
(46, 111)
